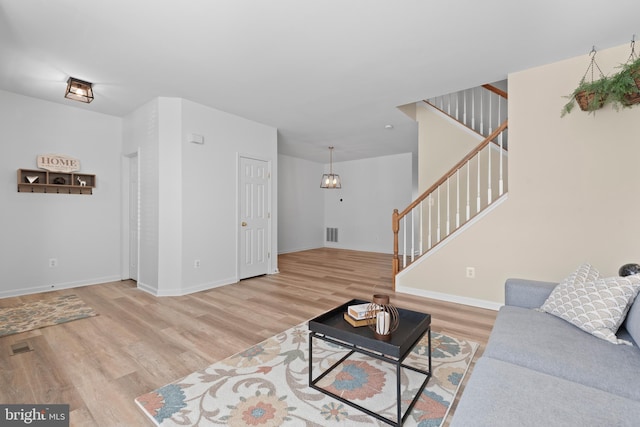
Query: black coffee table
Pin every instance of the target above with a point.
(332, 327)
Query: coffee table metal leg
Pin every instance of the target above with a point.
(398, 363)
(311, 334)
(398, 393)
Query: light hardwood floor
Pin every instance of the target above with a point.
(139, 342)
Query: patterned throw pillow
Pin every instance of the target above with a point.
(597, 307)
(585, 273)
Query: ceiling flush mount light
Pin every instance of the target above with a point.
(330, 180)
(79, 90)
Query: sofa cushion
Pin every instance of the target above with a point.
(527, 293)
(598, 307)
(548, 344)
(502, 394)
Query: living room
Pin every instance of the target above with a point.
(571, 187)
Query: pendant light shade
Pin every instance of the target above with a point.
(79, 90)
(330, 180)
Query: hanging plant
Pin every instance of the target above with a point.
(590, 95)
(625, 86)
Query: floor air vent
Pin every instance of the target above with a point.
(332, 234)
(20, 347)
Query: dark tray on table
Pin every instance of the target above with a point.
(412, 326)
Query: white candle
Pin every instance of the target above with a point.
(383, 321)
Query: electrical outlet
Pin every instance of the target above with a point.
(53, 262)
(196, 263)
(471, 272)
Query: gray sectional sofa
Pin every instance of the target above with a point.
(540, 370)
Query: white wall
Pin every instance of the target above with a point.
(209, 192)
(572, 187)
(300, 205)
(371, 189)
(82, 232)
(442, 143)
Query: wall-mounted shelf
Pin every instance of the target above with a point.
(42, 181)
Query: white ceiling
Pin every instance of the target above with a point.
(324, 72)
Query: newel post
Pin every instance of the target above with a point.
(395, 226)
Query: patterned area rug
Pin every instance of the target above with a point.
(267, 385)
(42, 313)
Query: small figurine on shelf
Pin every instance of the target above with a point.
(82, 183)
(31, 179)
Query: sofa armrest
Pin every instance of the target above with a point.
(527, 293)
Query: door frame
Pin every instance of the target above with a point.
(126, 231)
(269, 239)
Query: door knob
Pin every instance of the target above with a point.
(244, 224)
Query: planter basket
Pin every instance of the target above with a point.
(590, 101)
(633, 98)
(621, 89)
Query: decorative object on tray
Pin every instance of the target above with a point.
(356, 323)
(387, 318)
(31, 179)
(629, 269)
(361, 311)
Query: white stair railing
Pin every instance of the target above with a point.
(481, 109)
(472, 178)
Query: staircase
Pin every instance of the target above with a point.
(470, 188)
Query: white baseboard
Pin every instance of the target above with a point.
(474, 302)
(146, 288)
(306, 248)
(177, 292)
(58, 286)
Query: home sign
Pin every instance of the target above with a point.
(58, 163)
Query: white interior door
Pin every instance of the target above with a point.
(254, 217)
(133, 217)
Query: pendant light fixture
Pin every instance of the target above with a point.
(330, 180)
(79, 90)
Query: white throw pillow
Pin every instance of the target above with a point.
(598, 307)
(584, 273)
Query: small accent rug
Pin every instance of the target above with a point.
(46, 312)
(267, 385)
